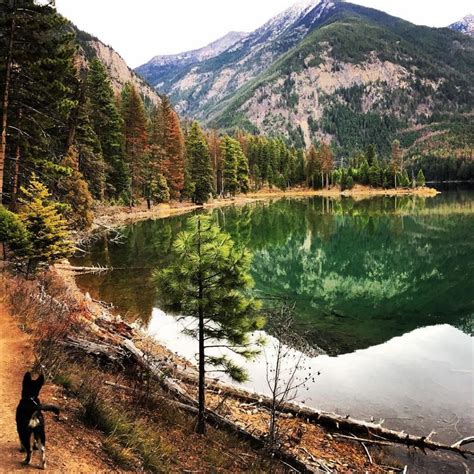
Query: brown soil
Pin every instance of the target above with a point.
(70, 447)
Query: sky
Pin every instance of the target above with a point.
(141, 29)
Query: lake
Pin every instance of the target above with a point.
(383, 288)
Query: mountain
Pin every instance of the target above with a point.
(176, 62)
(118, 70)
(330, 70)
(226, 72)
(466, 25)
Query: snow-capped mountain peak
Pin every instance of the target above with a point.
(290, 16)
(466, 25)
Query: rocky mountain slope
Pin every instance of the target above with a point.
(175, 63)
(117, 68)
(466, 25)
(330, 70)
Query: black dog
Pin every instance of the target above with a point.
(29, 418)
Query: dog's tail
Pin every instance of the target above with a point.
(52, 408)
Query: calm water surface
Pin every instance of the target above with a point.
(384, 289)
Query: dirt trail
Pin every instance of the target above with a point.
(70, 448)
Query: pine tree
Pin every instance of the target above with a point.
(170, 138)
(242, 171)
(229, 151)
(159, 191)
(207, 280)
(214, 144)
(312, 166)
(157, 141)
(88, 153)
(136, 139)
(327, 162)
(37, 87)
(396, 162)
(107, 125)
(48, 230)
(404, 179)
(199, 165)
(13, 234)
(420, 179)
(371, 155)
(75, 192)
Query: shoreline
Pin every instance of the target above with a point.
(317, 444)
(110, 217)
(326, 435)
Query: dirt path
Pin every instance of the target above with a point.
(70, 448)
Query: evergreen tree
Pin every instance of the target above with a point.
(420, 179)
(13, 234)
(74, 191)
(170, 138)
(199, 165)
(312, 166)
(371, 155)
(229, 151)
(48, 230)
(37, 84)
(214, 144)
(404, 179)
(107, 125)
(159, 190)
(136, 138)
(396, 162)
(156, 153)
(207, 280)
(242, 171)
(88, 153)
(327, 162)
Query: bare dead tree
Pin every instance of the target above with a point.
(287, 369)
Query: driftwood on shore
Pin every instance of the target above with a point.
(93, 269)
(128, 350)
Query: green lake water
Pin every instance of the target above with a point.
(360, 273)
(384, 289)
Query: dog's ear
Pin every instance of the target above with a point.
(40, 381)
(27, 379)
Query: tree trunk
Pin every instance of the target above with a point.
(331, 420)
(74, 115)
(5, 104)
(16, 173)
(201, 421)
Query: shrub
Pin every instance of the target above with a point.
(13, 234)
(48, 230)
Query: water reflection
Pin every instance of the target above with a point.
(419, 381)
(361, 272)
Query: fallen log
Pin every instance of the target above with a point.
(211, 415)
(182, 406)
(331, 420)
(93, 269)
(106, 351)
(326, 419)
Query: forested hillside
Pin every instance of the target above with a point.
(74, 135)
(341, 73)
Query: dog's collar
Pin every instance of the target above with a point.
(31, 399)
